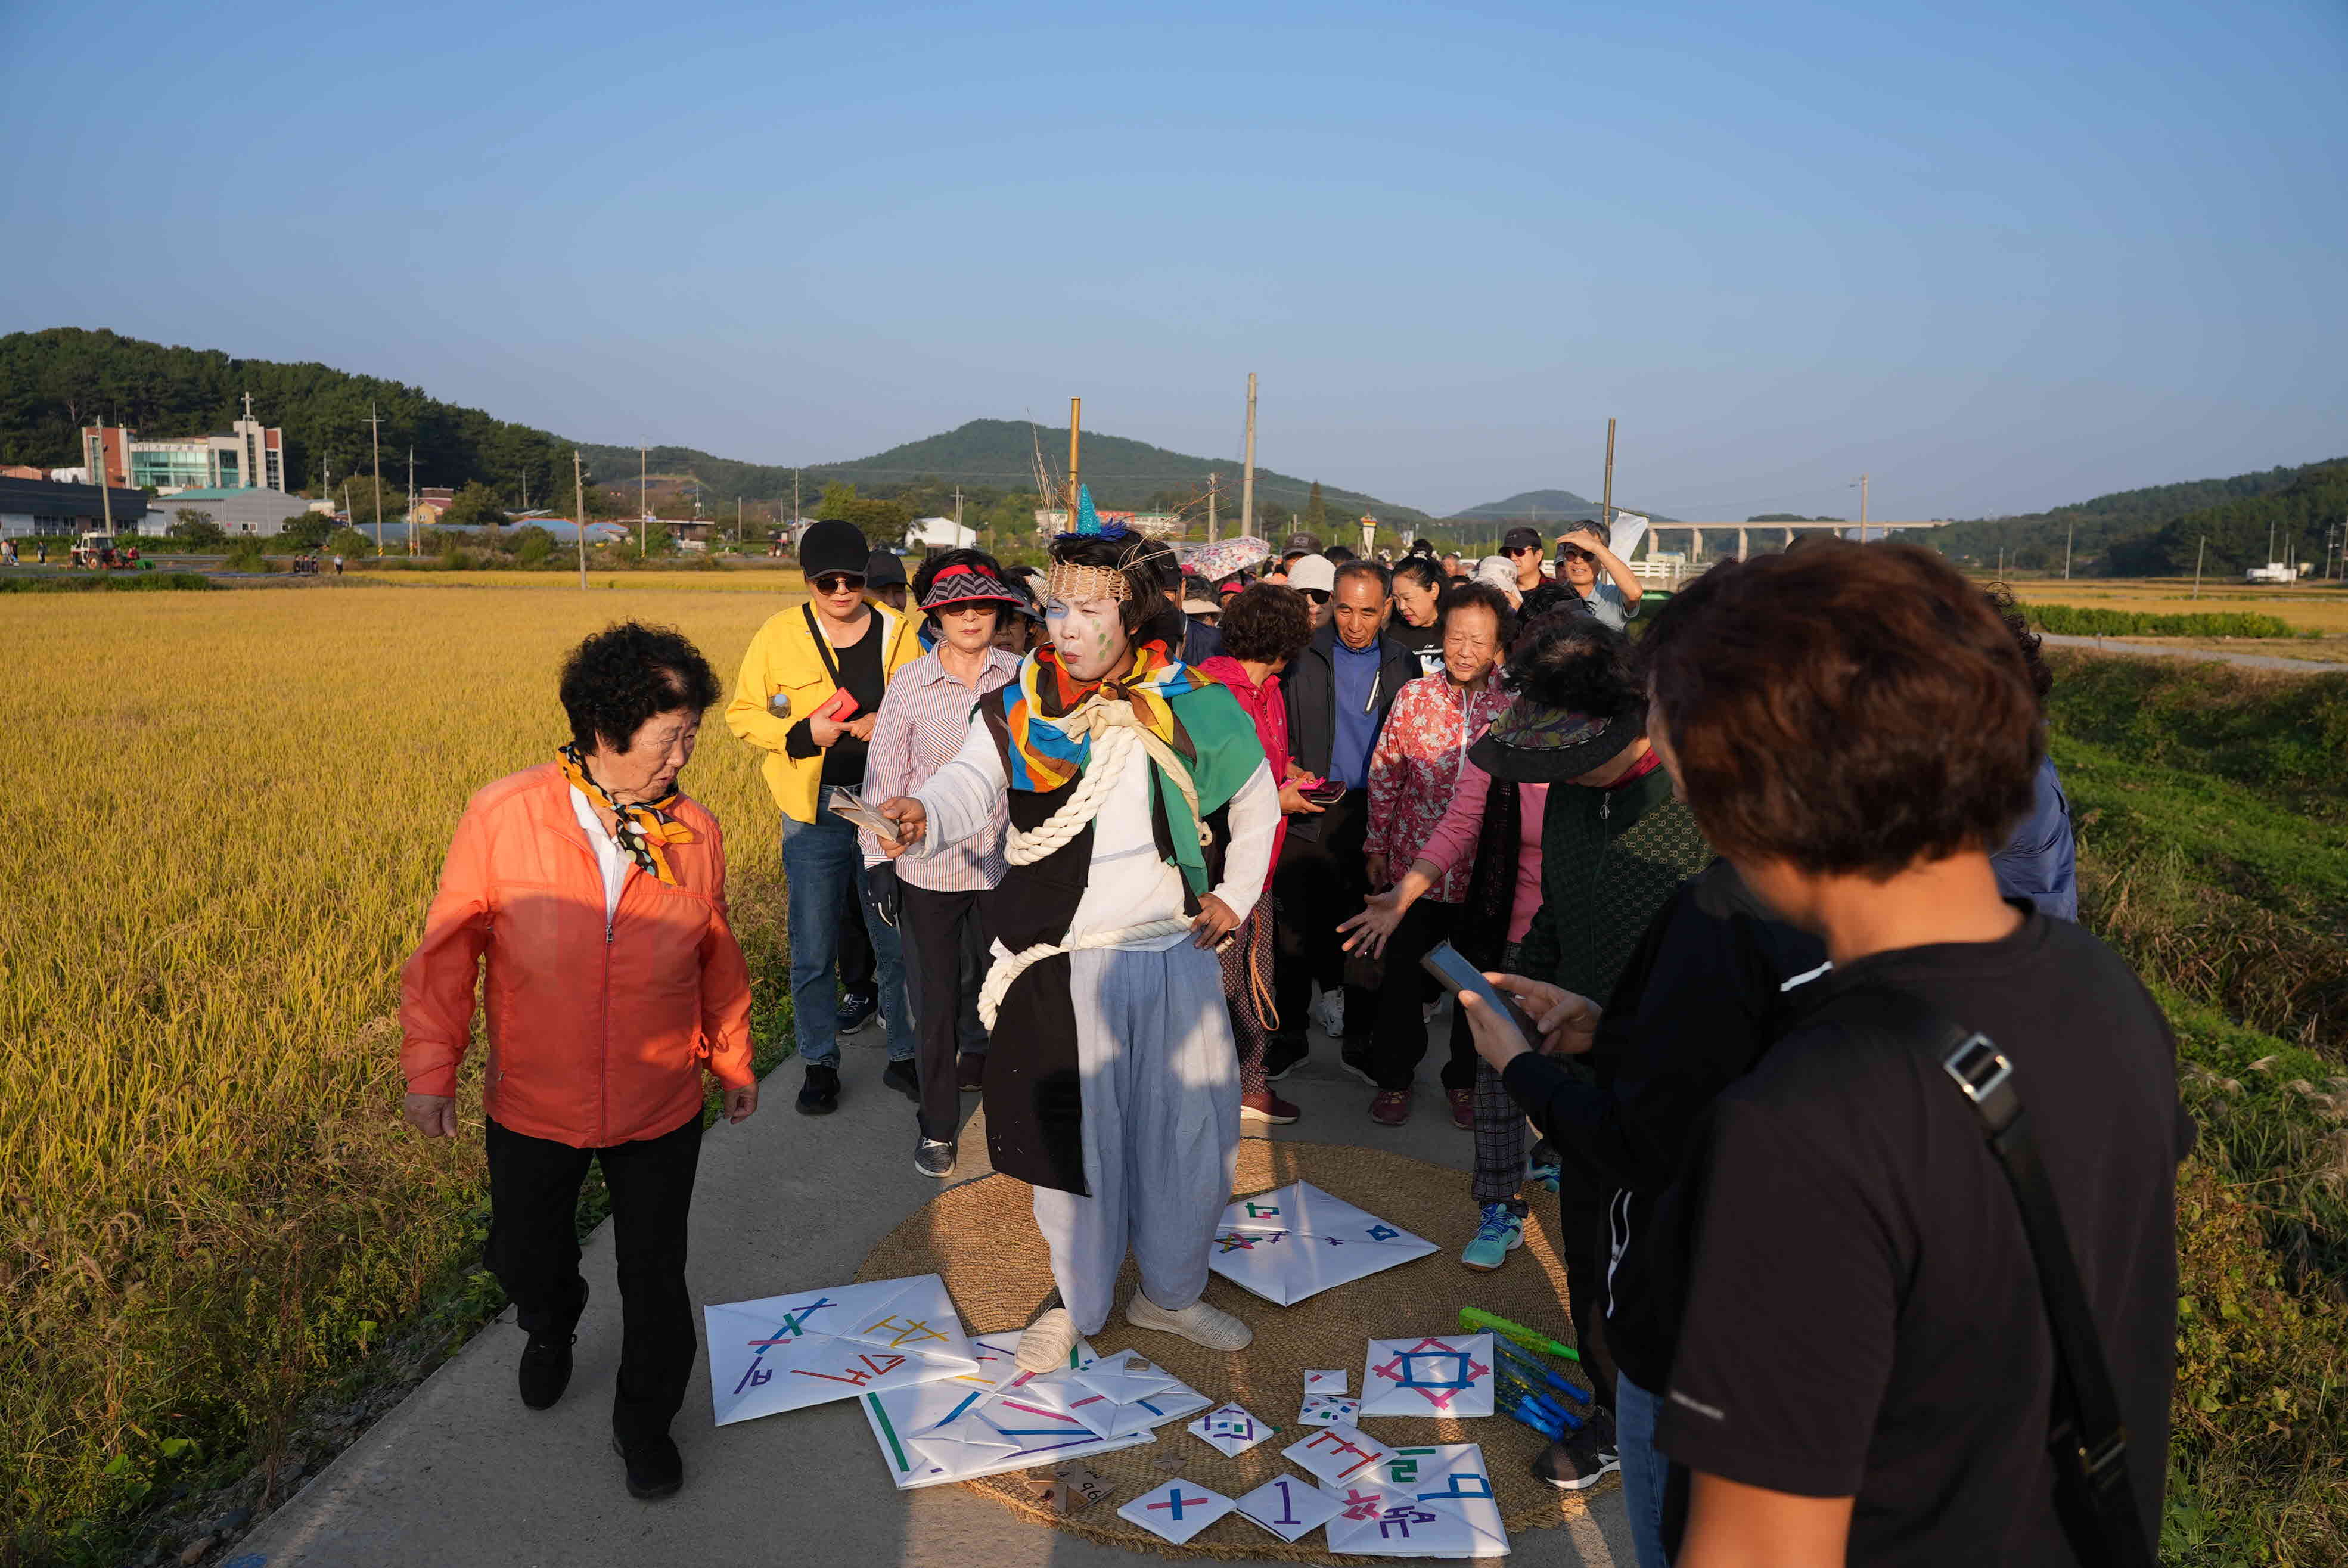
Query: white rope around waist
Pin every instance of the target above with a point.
(1011, 965)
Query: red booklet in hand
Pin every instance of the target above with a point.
(841, 707)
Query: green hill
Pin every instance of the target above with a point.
(54, 381)
(1536, 507)
(2155, 532)
(993, 458)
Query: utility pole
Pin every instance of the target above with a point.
(643, 503)
(2199, 551)
(579, 484)
(2068, 530)
(375, 435)
(957, 509)
(1862, 513)
(1212, 478)
(1606, 502)
(1247, 474)
(1076, 425)
(411, 502)
(795, 503)
(737, 523)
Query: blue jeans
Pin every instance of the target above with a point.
(1644, 1468)
(821, 863)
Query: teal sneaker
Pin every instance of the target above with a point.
(1502, 1232)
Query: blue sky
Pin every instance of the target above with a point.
(2000, 256)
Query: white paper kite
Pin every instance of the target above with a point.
(1422, 1502)
(1436, 1375)
(1230, 1429)
(1177, 1511)
(1329, 1410)
(1298, 1241)
(1328, 1382)
(1130, 1394)
(1335, 1455)
(786, 1352)
(960, 1428)
(1288, 1506)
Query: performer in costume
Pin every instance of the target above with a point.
(1142, 818)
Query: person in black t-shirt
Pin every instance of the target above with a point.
(1417, 622)
(1863, 1370)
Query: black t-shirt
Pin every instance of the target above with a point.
(1861, 1316)
(860, 674)
(1425, 642)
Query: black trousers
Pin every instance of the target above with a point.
(860, 973)
(1319, 882)
(1398, 1036)
(945, 963)
(1584, 1243)
(533, 1249)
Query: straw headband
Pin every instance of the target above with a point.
(969, 585)
(1070, 583)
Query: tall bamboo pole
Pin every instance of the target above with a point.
(1076, 423)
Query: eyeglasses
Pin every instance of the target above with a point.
(1318, 596)
(837, 582)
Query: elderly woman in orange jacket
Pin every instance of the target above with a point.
(597, 893)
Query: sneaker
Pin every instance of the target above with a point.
(1391, 1107)
(970, 1071)
(656, 1470)
(935, 1158)
(1329, 1012)
(1197, 1322)
(545, 1370)
(819, 1096)
(1282, 1058)
(1502, 1232)
(1266, 1107)
(857, 1009)
(1358, 1062)
(1579, 1458)
(1544, 1177)
(904, 1078)
(1463, 1108)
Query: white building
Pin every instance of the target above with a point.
(251, 455)
(255, 513)
(940, 533)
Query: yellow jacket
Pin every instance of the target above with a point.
(782, 661)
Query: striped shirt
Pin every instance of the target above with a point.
(924, 719)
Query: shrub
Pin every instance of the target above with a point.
(2070, 620)
(245, 555)
(349, 541)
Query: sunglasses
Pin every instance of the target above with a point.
(837, 582)
(1318, 596)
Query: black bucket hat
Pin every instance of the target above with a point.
(1532, 744)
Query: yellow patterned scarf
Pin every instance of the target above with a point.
(642, 826)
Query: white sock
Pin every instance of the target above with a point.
(1046, 1342)
(1197, 1322)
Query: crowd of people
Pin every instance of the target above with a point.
(1109, 837)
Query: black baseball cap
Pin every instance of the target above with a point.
(1522, 539)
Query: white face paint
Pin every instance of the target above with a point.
(1089, 637)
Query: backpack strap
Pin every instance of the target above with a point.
(2088, 1440)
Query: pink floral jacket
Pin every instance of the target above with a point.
(1415, 766)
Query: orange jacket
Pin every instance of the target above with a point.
(598, 1030)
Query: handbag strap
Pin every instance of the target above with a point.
(2088, 1439)
(822, 649)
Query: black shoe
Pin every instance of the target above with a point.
(932, 1158)
(904, 1078)
(1577, 1459)
(545, 1370)
(656, 1470)
(856, 1010)
(1283, 1057)
(819, 1096)
(1356, 1060)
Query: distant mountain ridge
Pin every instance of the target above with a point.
(999, 455)
(1545, 506)
(2158, 530)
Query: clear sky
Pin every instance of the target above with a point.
(2000, 255)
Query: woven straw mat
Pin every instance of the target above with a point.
(981, 1236)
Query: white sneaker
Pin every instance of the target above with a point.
(1329, 1012)
(1197, 1322)
(1047, 1342)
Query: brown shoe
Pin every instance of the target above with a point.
(1267, 1107)
(1391, 1107)
(970, 1070)
(1463, 1108)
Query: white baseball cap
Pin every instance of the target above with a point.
(1314, 572)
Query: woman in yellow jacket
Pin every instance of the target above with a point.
(808, 694)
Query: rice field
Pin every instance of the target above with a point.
(232, 810)
(2307, 607)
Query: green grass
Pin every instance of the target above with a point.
(2071, 620)
(2213, 852)
(110, 582)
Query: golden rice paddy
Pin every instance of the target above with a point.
(231, 811)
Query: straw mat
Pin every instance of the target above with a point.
(981, 1236)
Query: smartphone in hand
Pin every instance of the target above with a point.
(1450, 966)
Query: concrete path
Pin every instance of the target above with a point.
(462, 1474)
(2155, 651)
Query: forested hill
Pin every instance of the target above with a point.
(1537, 507)
(54, 381)
(2155, 532)
(998, 456)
